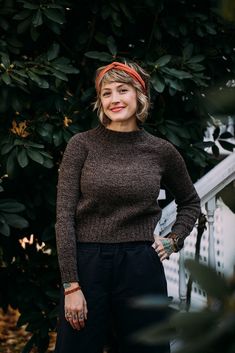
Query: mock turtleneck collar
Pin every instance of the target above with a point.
(120, 136)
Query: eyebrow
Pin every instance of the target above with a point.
(107, 88)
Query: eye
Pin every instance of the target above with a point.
(105, 94)
(123, 90)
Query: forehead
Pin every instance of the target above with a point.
(113, 84)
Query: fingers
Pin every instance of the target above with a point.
(81, 319)
(76, 319)
(85, 310)
(163, 247)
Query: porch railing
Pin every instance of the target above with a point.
(207, 187)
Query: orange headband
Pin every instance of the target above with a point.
(119, 66)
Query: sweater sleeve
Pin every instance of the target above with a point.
(68, 192)
(177, 180)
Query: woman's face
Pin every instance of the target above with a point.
(119, 101)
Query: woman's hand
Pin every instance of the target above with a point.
(163, 246)
(75, 308)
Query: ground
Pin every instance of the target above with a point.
(13, 339)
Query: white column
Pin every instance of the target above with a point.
(210, 207)
(182, 281)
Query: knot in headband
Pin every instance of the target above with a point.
(122, 67)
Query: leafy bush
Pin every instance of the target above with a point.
(210, 330)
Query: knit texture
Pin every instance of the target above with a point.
(109, 182)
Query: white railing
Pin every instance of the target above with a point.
(207, 187)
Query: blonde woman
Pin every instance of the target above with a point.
(107, 211)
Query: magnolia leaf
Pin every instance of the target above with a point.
(11, 206)
(53, 52)
(102, 56)
(55, 15)
(6, 78)
(37, 19)
(4, 229)
(207, 278)
(16, 221)
(22, 158)
(35, 156)
(158, 82)
(111, 45)
(162, 61)
(177, 73)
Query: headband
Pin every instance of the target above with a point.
(122, 67)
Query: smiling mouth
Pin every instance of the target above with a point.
(117, 109)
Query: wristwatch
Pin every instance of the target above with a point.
(178, 242)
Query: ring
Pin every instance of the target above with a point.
(81, 317)
(68, 315)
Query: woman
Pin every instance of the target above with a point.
(107, 211)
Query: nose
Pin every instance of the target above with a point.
(115, 98)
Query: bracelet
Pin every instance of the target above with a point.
(72, 290)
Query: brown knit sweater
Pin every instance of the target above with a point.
(108, 187)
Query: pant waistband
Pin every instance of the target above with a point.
(112, 246)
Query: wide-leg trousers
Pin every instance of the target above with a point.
(112, 276)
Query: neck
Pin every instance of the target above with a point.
(123, 126)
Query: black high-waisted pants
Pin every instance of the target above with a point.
(111, 275)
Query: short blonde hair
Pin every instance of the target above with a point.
(117, 75)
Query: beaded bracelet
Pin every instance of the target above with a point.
(72, 290)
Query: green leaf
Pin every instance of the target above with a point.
(55, 15)
(102, 56)
(162, 61)
(34, 33)
(158, 82)
(58, 138)
(6, 148)
(45, 154)
(46, 131)
(4, 228)
(175, 84)
(197, 59)
(16, 221)
(173, 138)
(11, 161)
(188, 51)
(35, 156)
(177, 73)
(6, 78)
(22, 158)
(35, 145)
(190, 322)
(66, 68)
(5, 60)
(10, 206)
(17, 79)
(29, 5)
(150, 302)
(53, 51)
(40, 82)
(37, 19)
(48, 163)
(207, 278)
(23, 26)
(22, 15)
(60, 75)
(112, 45)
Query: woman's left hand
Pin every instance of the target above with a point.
(163, 246)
